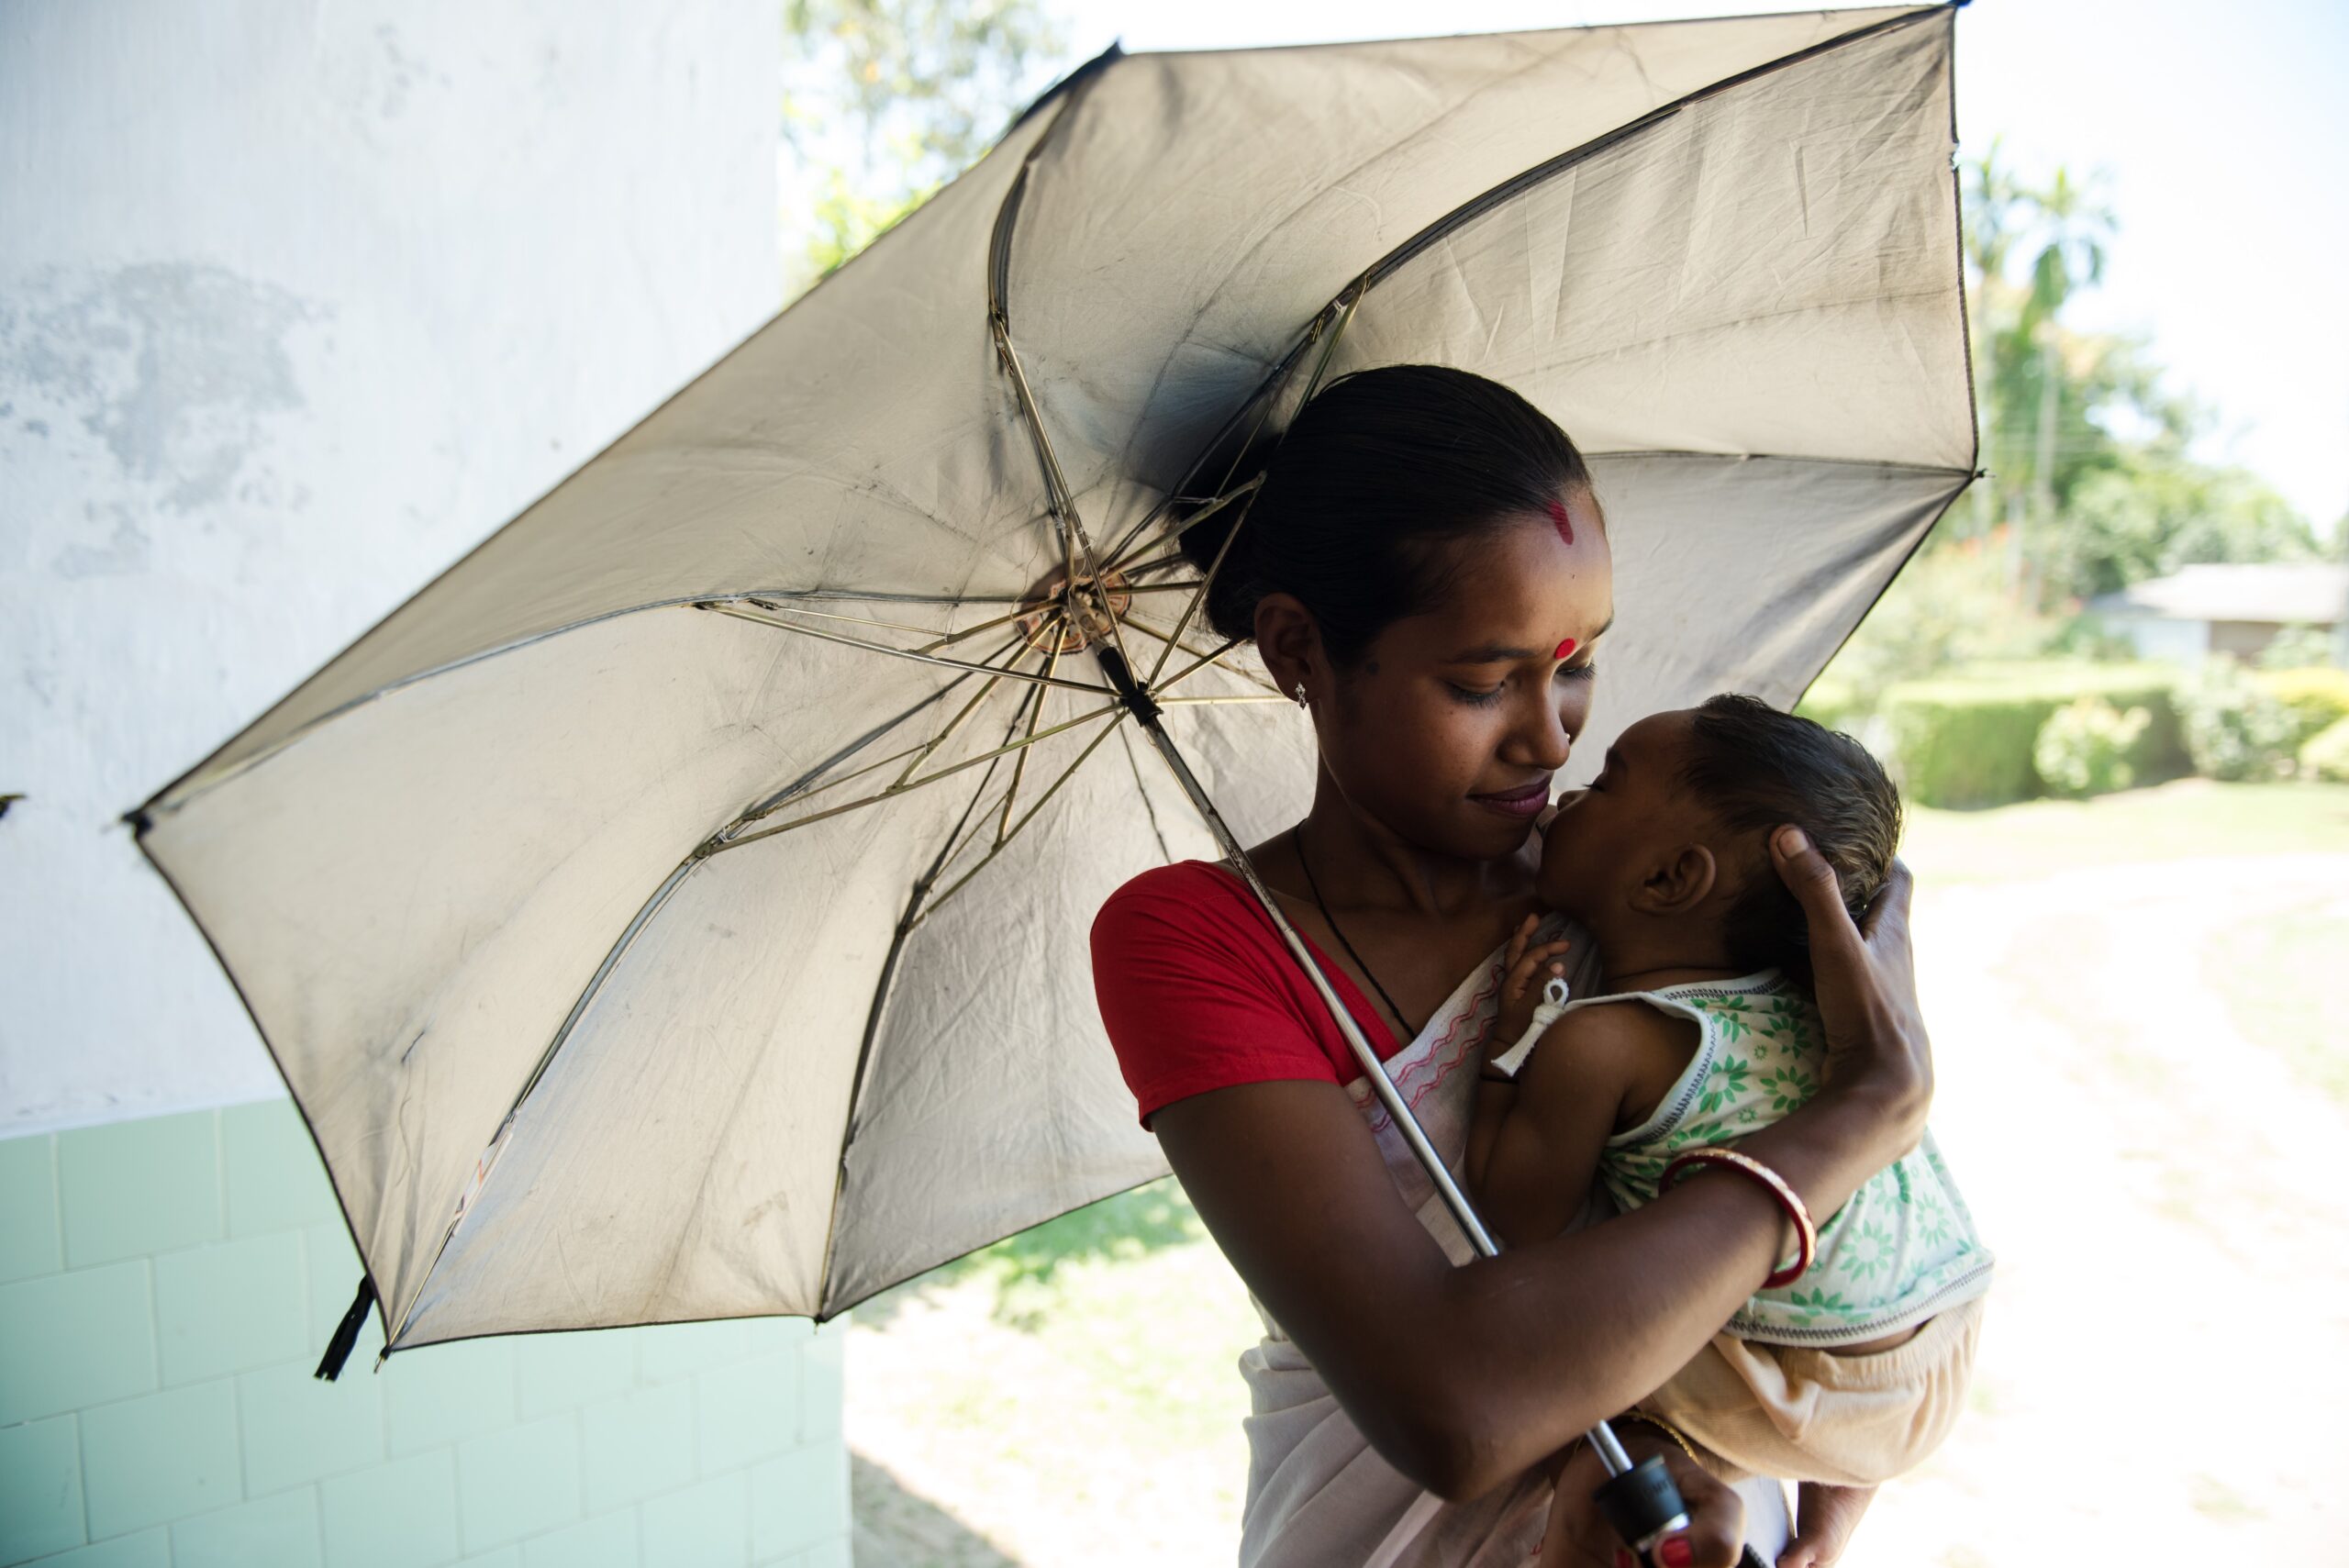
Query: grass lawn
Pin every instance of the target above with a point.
(2277, 976)
(2171, 821)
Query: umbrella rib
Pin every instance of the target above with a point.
(803, 786)
(1334, 317)
(717, 845)
(1207, 510)
(1196, 653)
(1020, 765)
(1200, 597)
(612, 957)
(1029, 816)
(1150, 564)
(1258, 403)
(915, 654)
(1219, 700)
(1200, 662)
(953, 638)
(205, 776)
(1076, 545)
(851, 595)
(947, 733)
(782, 608)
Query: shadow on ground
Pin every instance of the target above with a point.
(896, 1529)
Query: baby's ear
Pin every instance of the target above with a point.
(1677, 882)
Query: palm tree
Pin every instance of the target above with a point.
(2031, 247)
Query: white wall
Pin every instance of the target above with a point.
(2185, 642)
(298, 301)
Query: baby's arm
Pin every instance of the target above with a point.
(1532, 1167)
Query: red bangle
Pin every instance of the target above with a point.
(1789, 1203)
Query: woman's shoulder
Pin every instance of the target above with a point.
(1185, 894)
(1195, 991)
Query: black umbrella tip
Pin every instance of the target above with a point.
(1083, 73)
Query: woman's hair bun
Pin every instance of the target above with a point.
(1381, 465)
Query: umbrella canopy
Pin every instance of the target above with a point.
(677, 910)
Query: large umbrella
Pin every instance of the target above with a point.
(677, 909)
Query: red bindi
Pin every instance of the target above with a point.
(1564, 525)
(1566, 649)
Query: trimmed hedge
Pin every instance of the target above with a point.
(2326, 755)
(1968, 740)
(2317, 697)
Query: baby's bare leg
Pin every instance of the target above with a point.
(1825, 1517)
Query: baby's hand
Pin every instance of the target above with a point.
(1529, 965)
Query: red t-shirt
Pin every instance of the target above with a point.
(1198, 992)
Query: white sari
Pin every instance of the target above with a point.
(1317, 1494)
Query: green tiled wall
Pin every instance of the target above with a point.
(166, 1286)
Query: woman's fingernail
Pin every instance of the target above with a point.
(1676, 1552)
(1791, 841)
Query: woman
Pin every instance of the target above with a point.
(1426, 568)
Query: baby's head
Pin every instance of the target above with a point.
(1670, 843)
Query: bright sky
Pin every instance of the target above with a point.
(2224, 130)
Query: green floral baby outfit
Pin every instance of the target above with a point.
(1902, 1251)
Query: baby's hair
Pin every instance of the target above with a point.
(1759, 769)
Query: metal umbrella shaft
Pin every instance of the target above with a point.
(1640, 1500)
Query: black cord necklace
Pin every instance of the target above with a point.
(1297, 837)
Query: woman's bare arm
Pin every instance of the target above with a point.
(1461, 1377)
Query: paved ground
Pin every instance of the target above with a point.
(2165, 1365)
(2164, 1373)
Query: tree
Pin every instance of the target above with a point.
(2092, 477)
(2032, 248)
(2093, 484)
(886, 100)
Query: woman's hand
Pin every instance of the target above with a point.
(1865, 981)
(1715, 1532)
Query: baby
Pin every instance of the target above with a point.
(1704, 1031)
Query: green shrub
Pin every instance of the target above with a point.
(2326, 755)
(2085, 747)
(2297, 648)
(2317, 697)
(1969, 740)
(2233, 728)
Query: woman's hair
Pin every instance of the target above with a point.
(1377, 470)
(1759, 769)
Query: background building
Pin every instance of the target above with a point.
(297, 302)
(2237, 609)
